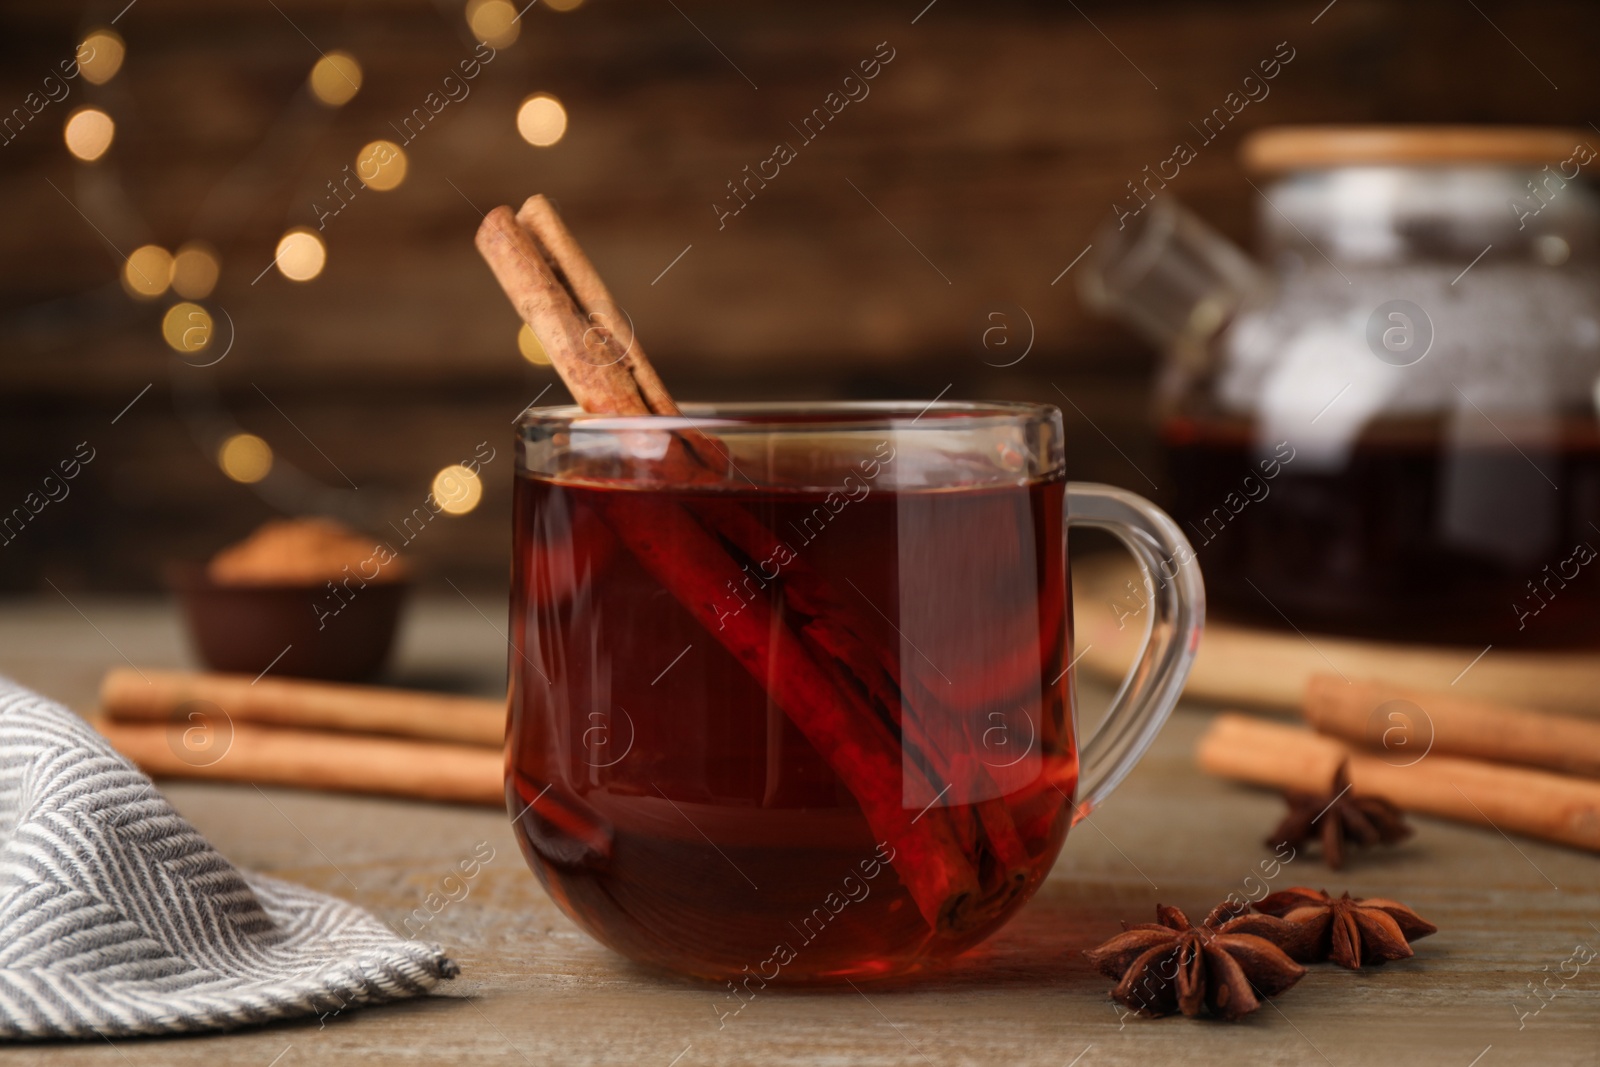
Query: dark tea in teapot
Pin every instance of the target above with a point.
(1410, 535)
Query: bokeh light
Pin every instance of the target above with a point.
(301, 255)
(493, 22)
(187, 328)
(194, 271)
(532, 351)
(381, 165)
(541, 120)
(88, 133)
(148, 271)
(101, 55)
(244, 457)
(336, 79)
(1552, 249)
(563, 5)
(457, 490)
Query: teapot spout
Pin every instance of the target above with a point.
(1169, 275)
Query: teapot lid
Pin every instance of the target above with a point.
(1288, 148)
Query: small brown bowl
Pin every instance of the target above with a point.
(297, 630)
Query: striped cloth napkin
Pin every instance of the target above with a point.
(117, 918)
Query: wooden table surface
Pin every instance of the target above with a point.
(535, 990)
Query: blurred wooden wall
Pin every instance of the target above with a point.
(995, 140)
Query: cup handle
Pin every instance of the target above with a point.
(1176, 615)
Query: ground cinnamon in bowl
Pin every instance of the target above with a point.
(306, 597)
(304, 551)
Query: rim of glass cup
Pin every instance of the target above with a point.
(1023, 441)
(789, 416)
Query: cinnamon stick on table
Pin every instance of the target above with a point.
(309, 759)
(1552, 807)
(1453, 725)
(818, 675)
(163, 696)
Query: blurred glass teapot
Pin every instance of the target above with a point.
(1389, 427)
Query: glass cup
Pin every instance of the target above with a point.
(791, 696)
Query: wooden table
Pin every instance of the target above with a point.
(535, 990)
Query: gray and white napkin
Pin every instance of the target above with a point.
(117, 918)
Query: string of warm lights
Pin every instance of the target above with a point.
(192, 272)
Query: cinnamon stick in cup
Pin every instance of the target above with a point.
(817, 683)
(608, 325)
(1375, 714)
(1552, 807)
(900, 694)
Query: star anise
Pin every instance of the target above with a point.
(1224, 963)
(1338, 816)
(1346, 930)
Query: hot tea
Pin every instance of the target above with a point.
(676, 802)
